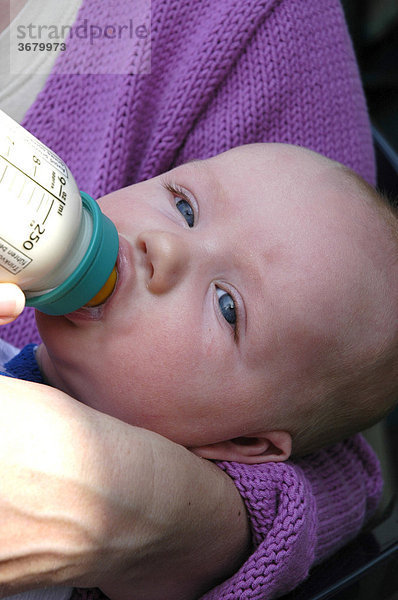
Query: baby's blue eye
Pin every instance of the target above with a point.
(187, 211)
(227, 306)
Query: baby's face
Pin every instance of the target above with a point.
(237, 276)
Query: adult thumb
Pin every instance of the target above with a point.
(12, 302)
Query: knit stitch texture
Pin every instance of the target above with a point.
(226, 73)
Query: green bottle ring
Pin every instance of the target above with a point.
(92, 272)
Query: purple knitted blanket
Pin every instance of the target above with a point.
(222, 74)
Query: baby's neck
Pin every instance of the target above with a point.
(47, 370)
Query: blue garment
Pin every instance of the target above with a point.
(24, 366)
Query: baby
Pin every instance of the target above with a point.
(255, 312)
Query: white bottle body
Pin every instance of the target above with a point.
(44, 231)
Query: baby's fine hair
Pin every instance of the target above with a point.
(356, 399)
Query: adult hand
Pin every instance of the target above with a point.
(89, 501)
(12, 302)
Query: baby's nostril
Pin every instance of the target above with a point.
(142, 246)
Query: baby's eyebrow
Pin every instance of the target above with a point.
(211, 179)
(192, 161)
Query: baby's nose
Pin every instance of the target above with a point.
(167, 258)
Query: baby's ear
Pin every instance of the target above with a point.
(270, 446)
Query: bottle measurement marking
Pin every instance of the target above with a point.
(49, 210)
(10, 144)
(34, 180)
(4, 172)
(54, 259)
(41, 201)
(21, 190)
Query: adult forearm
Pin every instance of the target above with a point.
(194, 536)
(90, 501)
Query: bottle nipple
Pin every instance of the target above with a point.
(105, 291)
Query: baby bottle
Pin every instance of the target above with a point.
(55, 243)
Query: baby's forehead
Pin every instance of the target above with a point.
(268, 154)
(258, 163)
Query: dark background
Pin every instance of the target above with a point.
(373, 26)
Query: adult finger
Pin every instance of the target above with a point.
(12, 302)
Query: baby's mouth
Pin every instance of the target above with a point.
(94, 311)
(86, 313)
